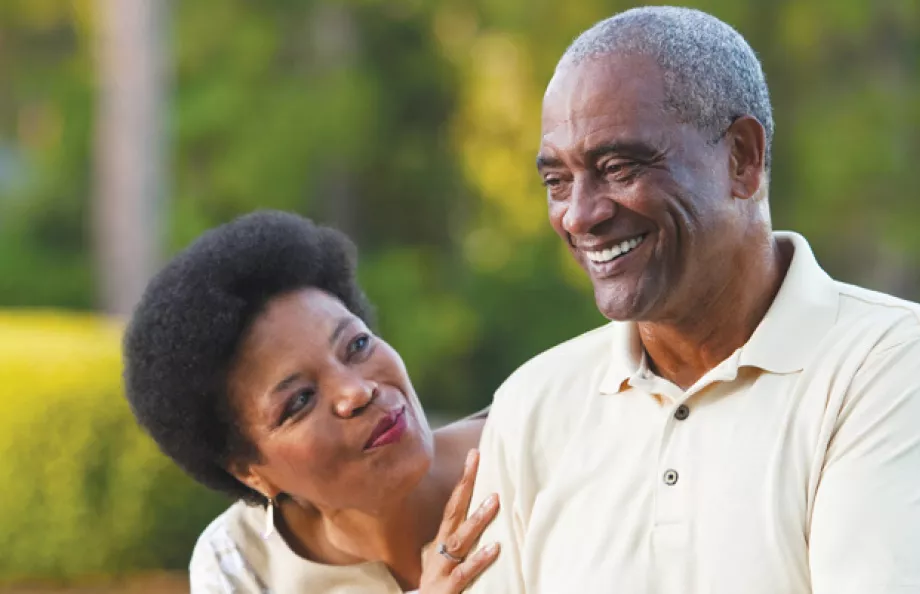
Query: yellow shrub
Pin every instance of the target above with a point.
(83, 492)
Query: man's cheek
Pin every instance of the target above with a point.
(556, 214)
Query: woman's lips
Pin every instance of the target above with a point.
(389, 430)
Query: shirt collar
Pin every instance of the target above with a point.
(627, 357)
(803, 311)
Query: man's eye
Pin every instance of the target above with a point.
(551, 181)
(618, 168)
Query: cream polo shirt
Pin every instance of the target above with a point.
(793, 467)
(232, 558)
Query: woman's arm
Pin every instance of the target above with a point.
(455, 440)
(483, 415)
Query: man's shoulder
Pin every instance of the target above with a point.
(537, 410)
(569, 357)
(576, 362)
(876, 300)
(898, 317)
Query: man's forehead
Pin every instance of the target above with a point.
(607, 90)
(597, 117)
(602, 78)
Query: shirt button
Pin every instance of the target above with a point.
(682, 412)
(670, 477)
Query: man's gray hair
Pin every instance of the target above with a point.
(712, 75)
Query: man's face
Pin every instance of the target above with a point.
(642, 200)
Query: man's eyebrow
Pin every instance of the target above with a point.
(630, 148)
(548, 161)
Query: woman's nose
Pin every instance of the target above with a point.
(353, 395)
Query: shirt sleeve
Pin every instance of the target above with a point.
(865, 530)
(219, 567)
(205, 575)
(497, 469)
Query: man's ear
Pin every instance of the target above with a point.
(747, 143)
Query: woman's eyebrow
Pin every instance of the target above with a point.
(339, 328)
(286, 383)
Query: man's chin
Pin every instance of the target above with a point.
(619, 305)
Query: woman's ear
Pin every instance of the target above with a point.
(250, 476)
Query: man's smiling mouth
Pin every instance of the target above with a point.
(616, 251)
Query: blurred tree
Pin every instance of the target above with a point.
(335, 111)
(413, 126)
(129, 145)
(46, 103)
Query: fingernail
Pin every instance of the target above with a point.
(492, 548)
(487, 506)
(470, 458)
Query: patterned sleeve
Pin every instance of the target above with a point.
(218, 567)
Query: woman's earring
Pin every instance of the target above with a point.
(269, 519)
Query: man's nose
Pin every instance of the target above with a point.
(588, 207)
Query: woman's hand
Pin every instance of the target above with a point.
(446, 566)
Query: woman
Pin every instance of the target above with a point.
(251, 363)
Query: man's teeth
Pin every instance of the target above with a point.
(616, 251)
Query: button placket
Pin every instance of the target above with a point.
(673, 464)
(670, 477)
(682, 412)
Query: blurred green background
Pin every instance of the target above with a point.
(127, 127)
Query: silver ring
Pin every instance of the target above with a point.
(442, 550)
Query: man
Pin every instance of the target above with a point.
(745, 424)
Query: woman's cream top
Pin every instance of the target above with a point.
(231, 557)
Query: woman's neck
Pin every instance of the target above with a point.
(393, 536)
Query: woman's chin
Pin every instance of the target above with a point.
(395, 470)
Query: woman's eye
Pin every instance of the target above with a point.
(300, 401)
(359, 344)
(550, 181)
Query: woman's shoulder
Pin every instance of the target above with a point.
(217, 534)
(219, 560)
(454, 441)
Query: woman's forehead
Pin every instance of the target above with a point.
(314, 305)
(293, 327)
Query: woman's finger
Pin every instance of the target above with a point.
(464, 573)
(461, 542)
(459, 502)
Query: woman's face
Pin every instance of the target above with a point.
(329, 406)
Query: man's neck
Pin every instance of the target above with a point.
(722, 320)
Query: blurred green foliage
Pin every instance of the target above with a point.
(84, 491)
(412, 125)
